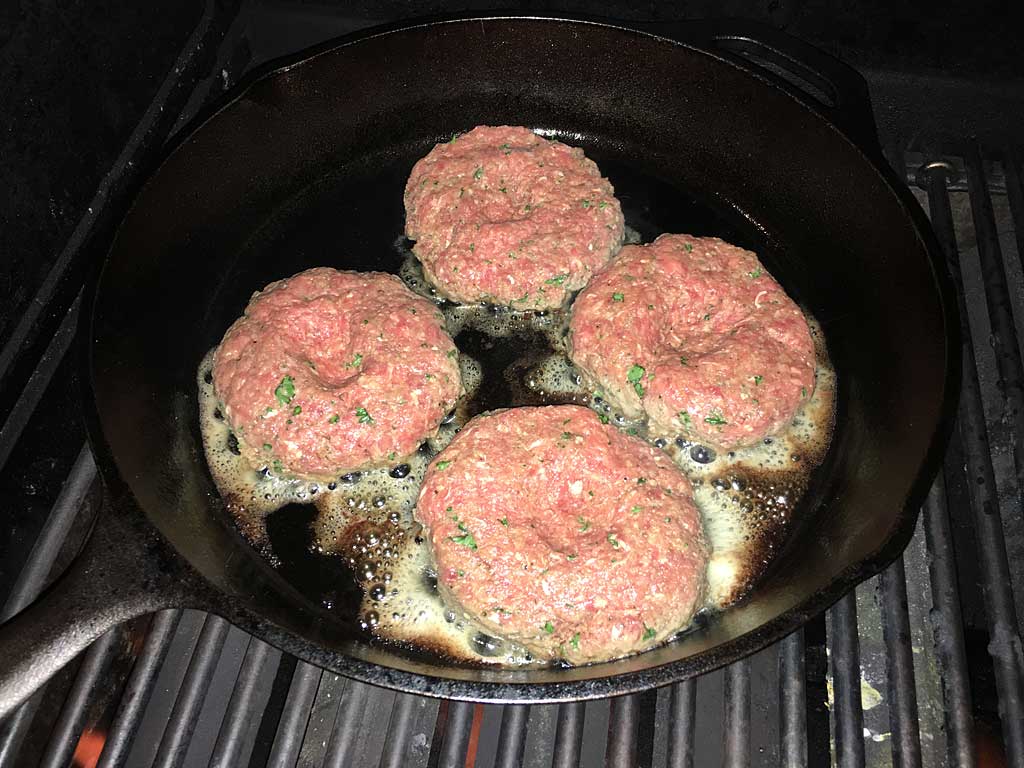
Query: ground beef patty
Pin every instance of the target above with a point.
(695, 333)
(564, 534)
(505, 216)
(329, 371)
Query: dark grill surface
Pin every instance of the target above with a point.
(920, 666)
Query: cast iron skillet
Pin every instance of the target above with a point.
(305, 166)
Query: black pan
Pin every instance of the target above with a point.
(305, 166)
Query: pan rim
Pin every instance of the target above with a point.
(616, 683)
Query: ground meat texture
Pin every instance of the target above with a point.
(564, 534)
(329, 372)
(505, 216)
(694, 333)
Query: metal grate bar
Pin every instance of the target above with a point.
(895, 608)
(793, 701)
(906, 738)
(1013, 168)
(227, 751)
(44, 552)
(995, 572)
(182, 721)
(568, 735)
(512, 736)
(949, 637)
(403, 715)
(948, 629)
(15, 728)
(849, 717)
(346, 725)
(301, 693)
(456, 734)
(682, 715)
(68, 729)
(37, 383)
(623, 722)
(1003, 338)
(737, 714)
(138, 689)
(34, 576)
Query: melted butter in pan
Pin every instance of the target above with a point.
(360, 529)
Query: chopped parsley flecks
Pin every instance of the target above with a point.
(584, 523)
(472, 247)
(633, 376)
(549, 627)
(334, 419)
(478, 172)
(803, 391)
(649, 632)
(278, 467)
(585, 203)
(617, 297)
(557, 279)
(603, 204)
(452, 353)
(442, 465)
(707, 316)
(758, 380)
(356, 361)
(466, 539)
(296, 410)
(641, 480)
(635, 510)
(755, 273)
(568, 436)
(503, 521)
(683, 360)
(716, 419)
(285, 391)
(684, 417)
(268, 447)
(570, 557)
(603, 417)
(688, 247)
(363, 416)
(575, 641)
(506, 148)
(613, 541)
(392, 455)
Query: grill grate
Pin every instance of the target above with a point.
(921, 665)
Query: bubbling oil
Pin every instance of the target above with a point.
(364, 523)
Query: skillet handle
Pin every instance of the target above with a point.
(124, 570)
(837, 89)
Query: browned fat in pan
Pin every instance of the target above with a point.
(359, 533)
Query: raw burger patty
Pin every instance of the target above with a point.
(505, 216)
(564, 534)
(329, 371)
(694, 333)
